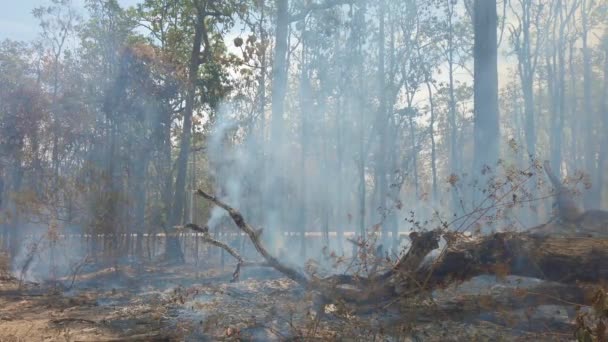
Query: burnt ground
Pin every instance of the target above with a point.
(163, 303)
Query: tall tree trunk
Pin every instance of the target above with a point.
(14, 227)
(561, 82)
(279, 70)
(414, 154)
(429, 87)
(381, 186)
(552, 96)
(604, 110)
(391, 221)
(357, 29)
(305, 112)
(340, 214)
(262, 111)
(3, 227)
(485, 53)
(361, 166)
(454, 160)
(139, 175)
(526, 73)
(278, 88)
(592, 198)
(173, 249)
(574, 122)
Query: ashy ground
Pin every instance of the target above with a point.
(163, 303)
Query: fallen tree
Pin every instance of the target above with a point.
(564, 258)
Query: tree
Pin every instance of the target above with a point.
(58, 22)
(485, 54)
(527, 51)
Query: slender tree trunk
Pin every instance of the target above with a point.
(560, 89)
(381, 186)
(454, 160)
(358, 27)
(526, 58)
(340, 169)
(173, 249)
(593, 196)
(552, 92)
(279, 70)
(262, 112)
(140, 172)
(485, 51)
(572, 103)
(305, 111)
(14, 227)
(361, 170)
(530, 126)
(392, 145)
(432, 134)
(278, 91)
(414, 154)
(603, 163)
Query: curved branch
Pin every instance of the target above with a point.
(208, 239)
(254, 236)
(568, 208)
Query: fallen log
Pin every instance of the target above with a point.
(563, 259)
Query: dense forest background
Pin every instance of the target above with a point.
(325, 116)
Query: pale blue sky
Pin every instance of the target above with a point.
(18, 23)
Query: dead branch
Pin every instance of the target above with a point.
(567, 206)
(574, 220)
(350, 288)
(208, 239)
(155, 336)
(254, 236)
(76, 270)
(60, 321)
(315, 7)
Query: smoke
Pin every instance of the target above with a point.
(305, 180)
(45, 257)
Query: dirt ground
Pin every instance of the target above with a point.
(159, 303)
(150, 304)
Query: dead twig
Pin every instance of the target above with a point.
(208, 239)
(60, 321)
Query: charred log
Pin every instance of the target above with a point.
(563, 259)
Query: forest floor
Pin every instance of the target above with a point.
(161, 303)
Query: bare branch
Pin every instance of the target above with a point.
(254, 236)
(315, 7)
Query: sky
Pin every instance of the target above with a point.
(18, 23)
